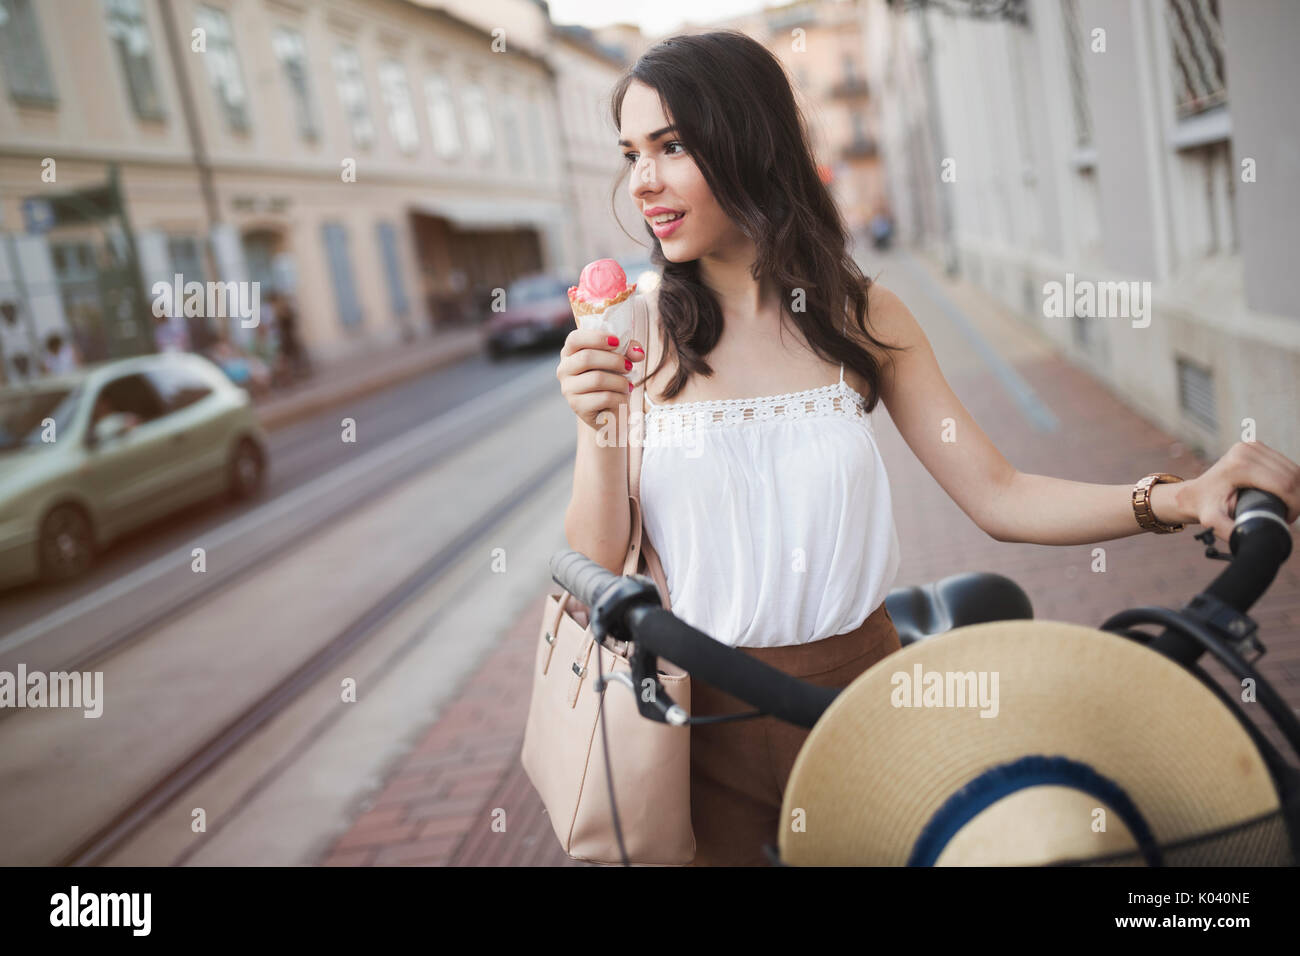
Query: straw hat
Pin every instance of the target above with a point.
(1019, 742)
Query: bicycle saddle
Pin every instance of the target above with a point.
(972, 597)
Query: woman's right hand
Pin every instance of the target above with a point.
(593, 375)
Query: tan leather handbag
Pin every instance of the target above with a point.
(650, 762)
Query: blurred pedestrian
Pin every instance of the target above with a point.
(171, 334)
(286, 323)
(266, 346)
(882, 230)
(60, 355)
(243, 368)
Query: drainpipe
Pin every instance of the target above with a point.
(177, 51)
(936, 136)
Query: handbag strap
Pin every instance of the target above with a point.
(639, 540)
(639, 546)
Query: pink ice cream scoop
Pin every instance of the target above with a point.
(602, 299)
(600, 281)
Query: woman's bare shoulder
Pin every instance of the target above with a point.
(888, 319)
(889, 322)
(882, 304)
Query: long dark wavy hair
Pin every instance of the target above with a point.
(735, 113)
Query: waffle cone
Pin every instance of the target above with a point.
(582, 308)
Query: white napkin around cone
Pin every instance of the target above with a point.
(617, 320)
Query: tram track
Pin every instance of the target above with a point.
(294, 589)
(220, 745)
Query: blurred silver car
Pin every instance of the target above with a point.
(88, 456)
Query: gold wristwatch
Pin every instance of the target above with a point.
(1142, 504)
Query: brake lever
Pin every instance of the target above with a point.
(613, 606)
(1207, 536)
(660, 706)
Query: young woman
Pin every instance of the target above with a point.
(773, 522)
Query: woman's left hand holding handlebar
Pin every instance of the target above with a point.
(1211, 497)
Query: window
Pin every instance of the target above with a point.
(540, 145)
(340, 266)
(397, 97)
(186, 255)
(130, 393)
(129, 33)
(77, 272)
(510, 122)
(442, 116)
(223, 66)
(1196, 393)
(23, 413)
(352, 94)
(289, 50)
(1199, 80)
(478, 121)
(23, 54)
(393, 268)
(186, 258)
(177, 386)
(859, 128)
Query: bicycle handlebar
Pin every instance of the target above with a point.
(720, 665)
(629, 607)
(1260, 542)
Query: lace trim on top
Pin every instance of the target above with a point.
(837, 399)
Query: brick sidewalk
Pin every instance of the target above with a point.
(438, 808)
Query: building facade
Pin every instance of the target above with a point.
(821, 45)
(386, 162)
(1121, 173)
(605, 221)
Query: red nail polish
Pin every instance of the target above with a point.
(613, 340)
(629, 386)
(637, 348)
(627, 364)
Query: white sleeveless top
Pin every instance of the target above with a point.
(771, 516)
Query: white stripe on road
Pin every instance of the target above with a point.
(483, 406)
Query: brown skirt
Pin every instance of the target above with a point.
(739, 768)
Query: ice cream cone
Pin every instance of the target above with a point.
(602, 299)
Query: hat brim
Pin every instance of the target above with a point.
(1083, 743)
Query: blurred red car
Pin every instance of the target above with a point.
(537, 312)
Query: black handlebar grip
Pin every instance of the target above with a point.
(1260, 543)
(580, 576)
(1252, 499)
(721, 665)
